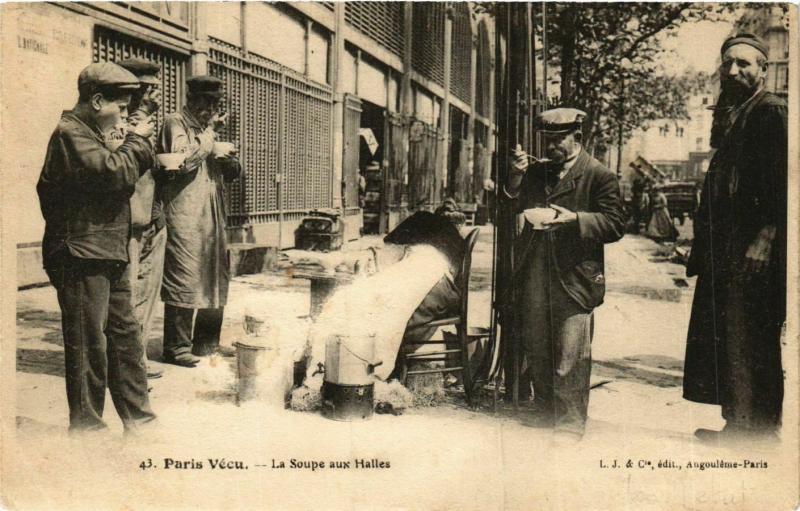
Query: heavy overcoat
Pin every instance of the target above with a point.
(744, 190)
(196, 272)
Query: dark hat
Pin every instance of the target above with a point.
(106, 75)
(559, 120)
(748, 39)
(145, 70)
(206, 85)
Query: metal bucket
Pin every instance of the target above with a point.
(347, 402)
(349, 360)
(348, 386)
(251, 358)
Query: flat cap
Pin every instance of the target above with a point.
(748, 39)
(206, 85)
(559, 120)
(106, 75)
(145, 70)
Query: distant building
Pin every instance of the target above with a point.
(680, 148)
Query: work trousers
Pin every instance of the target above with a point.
(557, 335)
(180, 338)
(146, 269)
(101, 342)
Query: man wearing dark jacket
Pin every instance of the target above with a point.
(559, 264)
(84, 190)
(733, 354)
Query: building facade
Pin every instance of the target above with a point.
(316, 92)
(680, 148)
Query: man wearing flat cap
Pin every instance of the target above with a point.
(196, 270)
(148, 236)
(733, 353)
(84, 191)
(572, 207)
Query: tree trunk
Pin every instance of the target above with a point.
(568, 38)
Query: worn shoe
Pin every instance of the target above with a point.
(183, 360)
(154, 372)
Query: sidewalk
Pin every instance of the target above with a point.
(638, 410)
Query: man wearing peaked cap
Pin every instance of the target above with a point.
(83, 190)
(148, 236)
(196, 271)
(106, 75)
(145, 70)
(733, 347)
(205, 85)
(572, 207)
(559, 120)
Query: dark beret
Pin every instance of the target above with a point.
(748, 39)
(145, 70)
(206, 85)
(106, 75)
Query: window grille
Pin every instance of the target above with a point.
(282, 124)
(461, 55)
(111, 46)
(483, 71)
(428, 44)
(380, 21)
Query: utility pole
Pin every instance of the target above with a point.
(444, 115)
(621, 116)
(338, 105)
(513, 45)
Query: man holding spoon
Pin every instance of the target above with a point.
(572, 207)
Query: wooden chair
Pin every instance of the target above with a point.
(462, 332)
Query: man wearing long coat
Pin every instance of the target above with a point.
(196, 270)
(733, 354)
(559, 266)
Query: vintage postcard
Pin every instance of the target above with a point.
(399, 255)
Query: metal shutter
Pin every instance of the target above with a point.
(423, 157)
(352, 144)
(396, 157)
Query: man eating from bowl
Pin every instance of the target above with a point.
(193, 195)
(558, 265)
